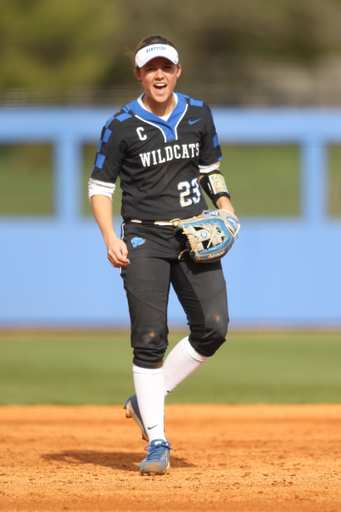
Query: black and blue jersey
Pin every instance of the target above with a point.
(158, 161)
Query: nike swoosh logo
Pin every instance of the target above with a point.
(149, 428)
(195, 121)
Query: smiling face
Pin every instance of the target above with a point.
(158, 78)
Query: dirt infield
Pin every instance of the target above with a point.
(235, 458)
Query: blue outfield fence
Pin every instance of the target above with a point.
(283, 271)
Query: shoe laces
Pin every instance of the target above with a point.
(156, 451)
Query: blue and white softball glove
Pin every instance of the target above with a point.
(210, 235)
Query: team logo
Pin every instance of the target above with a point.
(148, 50)
(203, 234)
(214, 213)
(137, 241)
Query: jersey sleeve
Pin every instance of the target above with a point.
(110, 153)
(210, 151)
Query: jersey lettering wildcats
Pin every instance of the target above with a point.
(158, 161)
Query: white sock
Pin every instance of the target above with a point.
(180, 363)
(149, 388)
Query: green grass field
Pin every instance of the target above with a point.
(95, 368)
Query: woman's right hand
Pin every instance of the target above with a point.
(117, 253)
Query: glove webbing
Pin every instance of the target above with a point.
(210, 228)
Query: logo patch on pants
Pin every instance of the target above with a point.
(137, 241)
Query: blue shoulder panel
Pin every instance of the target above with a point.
(109, 121)
(99, 161)
(195, 103)
(106, 135)
(123, 117)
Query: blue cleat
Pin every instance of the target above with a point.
(132, 411)
(157, 461)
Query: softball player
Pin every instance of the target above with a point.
(164, 148)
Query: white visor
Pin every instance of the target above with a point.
(156, 50)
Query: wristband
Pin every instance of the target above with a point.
(214, 185)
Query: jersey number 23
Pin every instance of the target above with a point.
(190, 193)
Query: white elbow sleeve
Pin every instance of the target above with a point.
(204, 169)
(100, 188)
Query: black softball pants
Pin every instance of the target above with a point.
(154, 265)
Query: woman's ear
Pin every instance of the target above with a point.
(138, 76)
(178, 73)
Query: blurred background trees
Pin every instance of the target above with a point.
(232, 51)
